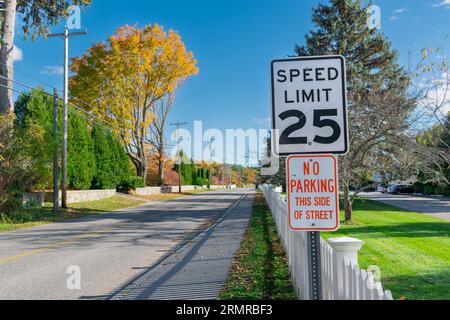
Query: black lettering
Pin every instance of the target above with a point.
(306, 74)
(319, 74)
(308, 98)
(286, 98)
(282, 74)
(294, 74)
(330, 73)
(327, 92)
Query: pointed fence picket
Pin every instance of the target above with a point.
(342, 279)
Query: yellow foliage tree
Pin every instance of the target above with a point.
(122, 81)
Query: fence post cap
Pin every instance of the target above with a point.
(346, 244)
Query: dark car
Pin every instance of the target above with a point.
(402, 189)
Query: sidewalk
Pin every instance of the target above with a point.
(199, 270)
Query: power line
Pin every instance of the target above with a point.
(15, 69)
(85, 113)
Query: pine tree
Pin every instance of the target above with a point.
(104, 175)
(81, 164)
(120, 166)
(34, 113)
(378, 99)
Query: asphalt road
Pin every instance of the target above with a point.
(111, 250)
(198, 270)
(436, 207)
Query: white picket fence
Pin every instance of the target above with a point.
(341, 277)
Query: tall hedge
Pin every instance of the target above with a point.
(34, 113)
(96, 159)
(112, 162)
(81, 166)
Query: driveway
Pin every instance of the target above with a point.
(436, 207)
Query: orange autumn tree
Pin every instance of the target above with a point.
(122, 82)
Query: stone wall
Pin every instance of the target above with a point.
(75, 196)
(37, 199)
(33, 200)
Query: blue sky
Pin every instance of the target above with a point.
(234, 42)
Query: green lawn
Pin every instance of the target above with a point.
(260, 269)
(412, 250)
(35, 217)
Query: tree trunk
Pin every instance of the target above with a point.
(161, 172)
(6, 57)
(161, 165)
(348, 205)
(141, 170)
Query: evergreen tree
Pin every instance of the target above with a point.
(120, 166)
(81, 164)
(378, 99)
(34, 114)
(104, 177)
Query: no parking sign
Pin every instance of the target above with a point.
(313, 199)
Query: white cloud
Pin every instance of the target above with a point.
(397, 12)
(443, 3)
(53, 70)
(400, 10)
(17, 53)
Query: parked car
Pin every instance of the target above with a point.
(382, 188)
(370, 189)
(401, 189)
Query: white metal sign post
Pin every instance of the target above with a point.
(309, 106)
(309, 122)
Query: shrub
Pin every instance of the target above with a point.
(440, 190)
(17, 168)
(428, 189)
(200, 182)
(131, 184)
(418, 187)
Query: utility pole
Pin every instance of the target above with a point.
(66, 36)
(56, 158)
(223, 174)
(180, 161)
(210, 160)
(247, 162)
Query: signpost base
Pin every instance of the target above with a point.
(315, 275)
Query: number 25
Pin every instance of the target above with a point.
(319, 122)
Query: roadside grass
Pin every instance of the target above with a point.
(27, 218)
(260, 269)
(411, 249)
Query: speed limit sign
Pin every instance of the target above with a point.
(309, 105)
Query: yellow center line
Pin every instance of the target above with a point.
(65, 243)
(81, 237)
